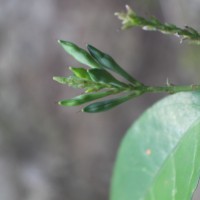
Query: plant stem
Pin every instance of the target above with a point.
(171, 89)
(131, 19)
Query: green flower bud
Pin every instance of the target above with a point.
(79, 54)
(102, 76)
(60, 79)
(191, 30)
(84, 98)
(107, 104)
(80, 73)
(108, 62)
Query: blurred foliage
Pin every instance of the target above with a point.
(45, 153)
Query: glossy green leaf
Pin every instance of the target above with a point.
(108, 62)
(84, 98)
(107, 104)
(79, 54)
(102, 76)
(159, 156)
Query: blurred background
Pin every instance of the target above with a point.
(49, 152)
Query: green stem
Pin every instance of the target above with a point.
(131, 19)
(171, 89)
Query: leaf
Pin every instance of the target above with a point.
(102, 76)
(159, 157)
(79, 54)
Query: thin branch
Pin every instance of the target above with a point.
(131, 19)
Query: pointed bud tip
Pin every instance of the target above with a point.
(56, 78)
(60, 41)
(64, 42)
(60, 103)
(90, 47)
(127, 7)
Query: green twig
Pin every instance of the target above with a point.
(172, 89)
(131, 19)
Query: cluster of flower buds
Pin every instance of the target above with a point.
(131, 19)
(97, 81)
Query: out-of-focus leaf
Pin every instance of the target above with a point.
(159, 157)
